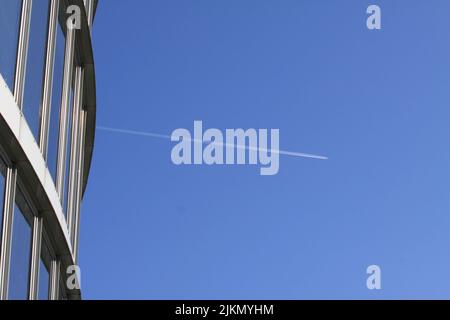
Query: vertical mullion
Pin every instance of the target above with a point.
(8, 217)
(79, 193)
(64, 115)
(48, 81)
(35, 258)
(89, 4)
(79, 185)
(55, 274)
(22, 50)
(72, 207)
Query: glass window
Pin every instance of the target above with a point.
(2, 194)
(9, 35)
(37, 50)
(56, 103)
(44, 281)
(20, 250)
(44, 269)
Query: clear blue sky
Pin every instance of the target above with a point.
(377, 103)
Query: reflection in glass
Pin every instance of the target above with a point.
(44, 267)
(37, 49)
(20, 252)
(56, 103)
(43, 281)
(9, 35)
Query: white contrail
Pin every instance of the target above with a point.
(164, 136)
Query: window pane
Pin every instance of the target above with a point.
(44, 267)
(36, 64)
(43, 281)
(56, 103)
(2, 194)
(9, 34)
(20, 252)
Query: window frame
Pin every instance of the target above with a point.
(44, 74)
(18, 44)
(46, 255)
(32, 218)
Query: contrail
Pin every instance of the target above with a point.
(164, 136)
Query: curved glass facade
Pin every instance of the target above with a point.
(43, 67)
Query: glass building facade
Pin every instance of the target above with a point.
(47, 125)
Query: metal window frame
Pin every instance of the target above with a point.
(8, 217)
(48, 74)
(47, 63)
(5, 163)
(55, 270)
(47, 255)
(36, 244)
(36, 235)
(64, 112)
(73, 198)
(79, 187)
(13, 185)
(90, 11)
(2, 220)
(22, 51)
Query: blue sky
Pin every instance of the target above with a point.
(375, 102)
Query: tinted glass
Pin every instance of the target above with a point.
(43, 281)
(20, 253)
(44, 268)
(36, 64)
(9, 34)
